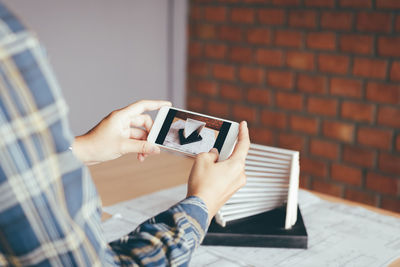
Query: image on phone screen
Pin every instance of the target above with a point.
(192, 133)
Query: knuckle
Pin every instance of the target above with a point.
(242, 180)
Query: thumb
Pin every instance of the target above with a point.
(214, 154)
(138, 146)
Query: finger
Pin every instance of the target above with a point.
(243, 142)
(146, 105)
(137, 133)
(138, 146)
(142, 120)
(214, 154)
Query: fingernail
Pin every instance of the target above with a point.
(245, 123)
(214, 150)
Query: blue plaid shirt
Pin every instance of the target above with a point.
(49, 208)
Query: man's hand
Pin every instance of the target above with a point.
(215, 182)
(122, 131)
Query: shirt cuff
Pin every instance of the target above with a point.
(197, 210)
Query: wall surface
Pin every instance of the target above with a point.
(107, 54)
(318, 76)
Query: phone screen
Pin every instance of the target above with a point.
(192, 133)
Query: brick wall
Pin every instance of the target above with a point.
(319, 76)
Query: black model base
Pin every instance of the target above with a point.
(262, 230)
(193, 137)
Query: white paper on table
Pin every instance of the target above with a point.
(192, 125)
(204, 145)
(338, 234)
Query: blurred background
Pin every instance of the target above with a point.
(318, 76)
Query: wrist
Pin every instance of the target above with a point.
(83, 150)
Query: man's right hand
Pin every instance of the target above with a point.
(215, 182)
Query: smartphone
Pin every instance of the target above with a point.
(192, 133)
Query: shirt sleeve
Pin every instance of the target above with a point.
(166, 239)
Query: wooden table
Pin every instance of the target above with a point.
(126, 178)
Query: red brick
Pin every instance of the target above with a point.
(357, 111)
(338, 130)
(303, 18)
(324, 149)
(195, 49)
(397, 23)
(389, 46)
(242, 15)
(395, 71)
(389, 116)
(291, 141)
(205, 31)
(207, 87)
(311, 83)
(336, 20)
(374, 137)
(241, 54)
(346, 174)
(286, 2)
(258, 36)
(320, 3)
(359, 196)
(384, 93)
(390, 4)
(356, 3)
(398, 142)
(358, 44)
(251, 75)
(195, 103)
(369, 68)
(322, 106)
(224, 72)
(280, 79)
(269, 57)
(373, 22)
(241, 112)
(254, 1)
(271, 16)
(389, 163)
(303, 124)
(196, 12)
(274, 119)
(392, 204)
(289, 101)
(215, 51)
(230, 33)
(231, 92)
(288, 38)
(258, 96)
(359, 156)
(382, 183)
(333, 63)
(261, 136)
(300, 60)
(198, 68)
(322, 41)
(218, 108)
(327, 188)
(313, 167)
(304, 181)
(346, 87)
(215, 14)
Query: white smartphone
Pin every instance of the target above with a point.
(192, 133)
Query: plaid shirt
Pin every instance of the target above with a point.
(49, 208)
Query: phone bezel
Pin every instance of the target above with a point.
(226, 149)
